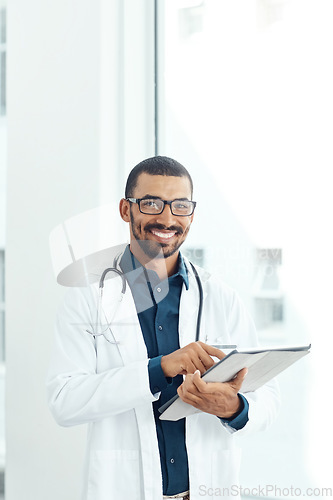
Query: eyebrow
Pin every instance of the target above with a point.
(152, 197)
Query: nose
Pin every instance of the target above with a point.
(166, 217)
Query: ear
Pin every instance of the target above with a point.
(124, 209)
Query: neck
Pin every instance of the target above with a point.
(164, 267)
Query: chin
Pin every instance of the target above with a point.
(155, 250)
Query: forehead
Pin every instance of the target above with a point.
(163, 186)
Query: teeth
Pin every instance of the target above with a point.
(163, 235)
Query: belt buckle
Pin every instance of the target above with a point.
(180, 496)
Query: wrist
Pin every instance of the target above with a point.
(235, 408)
(164, 366)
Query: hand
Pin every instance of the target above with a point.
(218, 398)
(188, 359)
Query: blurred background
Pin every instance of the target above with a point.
(240, 92)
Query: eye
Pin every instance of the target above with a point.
(181, 205)
(150, 203)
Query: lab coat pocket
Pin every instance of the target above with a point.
(225, 472)
(114, 474)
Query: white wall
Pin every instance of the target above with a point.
(67, 69)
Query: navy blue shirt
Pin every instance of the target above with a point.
(157, 303)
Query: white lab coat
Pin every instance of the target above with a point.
(106, 385)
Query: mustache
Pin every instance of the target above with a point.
(161, 227)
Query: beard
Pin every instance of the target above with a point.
(155, 249)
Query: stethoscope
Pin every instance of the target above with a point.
(105, 328)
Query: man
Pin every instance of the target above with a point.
(118, 381)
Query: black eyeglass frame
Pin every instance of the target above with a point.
(165, 202)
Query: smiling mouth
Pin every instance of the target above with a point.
(163, 235)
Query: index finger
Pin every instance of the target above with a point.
(213, 351)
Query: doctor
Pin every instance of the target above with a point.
(116, 382)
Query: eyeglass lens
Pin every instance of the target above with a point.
(156, 206)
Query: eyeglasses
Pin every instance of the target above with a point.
(155, 206)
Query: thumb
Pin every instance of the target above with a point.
(237, 381)
(198, 382)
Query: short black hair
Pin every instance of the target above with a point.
(157, 165)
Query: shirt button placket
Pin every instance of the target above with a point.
(159, 321)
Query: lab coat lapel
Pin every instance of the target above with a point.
(124, 329)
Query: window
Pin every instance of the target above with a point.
(195, 255)
(267, 292)
(2, 61)
(246, 103)
(3, 166)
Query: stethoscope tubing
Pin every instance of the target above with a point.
(197, 277)
(124, 284)
(114, 270)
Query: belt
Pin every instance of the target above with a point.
(180, 496)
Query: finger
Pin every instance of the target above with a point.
(192, 400)
(198, 358)
(200, 366)
(180, 391)
(189, 367)
(188, 384)
(190, 388)
(188, 397)
(208, 387)
(199, 384)
(236, 382)
(205, 358)
(213, 351)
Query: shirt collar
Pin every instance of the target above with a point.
(135, 270)
(182, 270)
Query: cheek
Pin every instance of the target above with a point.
(139, 227)
(136, 222)
(187, 227)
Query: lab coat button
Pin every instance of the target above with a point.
(160, 327)
(172, 460)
